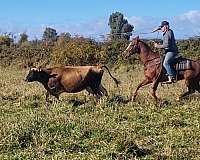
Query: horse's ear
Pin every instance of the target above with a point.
(136, 39)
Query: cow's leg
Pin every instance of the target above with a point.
(47, 96)
(57, 96)
(47, 100)
(89, 90)
(103, 90)
(96, 91)
(143, 83)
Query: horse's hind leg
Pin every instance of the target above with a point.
(191, 89)
(197, 86)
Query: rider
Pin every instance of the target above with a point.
(171, 50)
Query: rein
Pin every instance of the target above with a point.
(149, 62)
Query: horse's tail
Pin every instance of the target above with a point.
(199, 66)
(116, 81)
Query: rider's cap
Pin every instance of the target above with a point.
(163, 23)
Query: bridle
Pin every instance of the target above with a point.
(136, 48)
(133, 48)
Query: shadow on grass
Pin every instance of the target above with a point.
(118, 99)
(129, 150)
(76, 103)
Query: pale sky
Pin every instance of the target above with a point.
(90, 18)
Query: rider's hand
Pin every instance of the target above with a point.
(156, 29)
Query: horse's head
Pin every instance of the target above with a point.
(132, 48)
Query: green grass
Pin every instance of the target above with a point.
(77, 127)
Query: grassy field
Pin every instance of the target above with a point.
(78, 127)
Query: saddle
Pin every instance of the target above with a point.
(180, 64)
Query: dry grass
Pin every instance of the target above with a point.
(76, 127)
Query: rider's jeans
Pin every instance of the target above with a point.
(168, 62)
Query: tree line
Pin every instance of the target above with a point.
(64, 49)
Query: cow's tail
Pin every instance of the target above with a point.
(116, 81)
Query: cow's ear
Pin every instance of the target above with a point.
(39, 68)
(34, 69)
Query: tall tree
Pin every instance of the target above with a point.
(120, 28)
(49, 34)
(23, 38)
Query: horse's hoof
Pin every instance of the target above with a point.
(130, 99)
(158, 99)
(133, 99)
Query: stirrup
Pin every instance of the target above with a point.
(170, 80)
(167, 82)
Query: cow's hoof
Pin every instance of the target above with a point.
(131, 99)
(178, 98)
(163, 103)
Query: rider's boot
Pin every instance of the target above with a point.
(170, 80)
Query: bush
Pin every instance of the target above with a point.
(24, 55)
(5, 40)
(79, 51)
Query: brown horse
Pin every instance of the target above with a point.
(155, 73)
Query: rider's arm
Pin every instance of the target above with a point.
(166, 40)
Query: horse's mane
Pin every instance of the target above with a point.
(145, 44)
(148, 48)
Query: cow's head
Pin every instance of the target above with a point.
(39, 74)
(33, 75)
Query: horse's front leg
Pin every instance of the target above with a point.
(143, 83)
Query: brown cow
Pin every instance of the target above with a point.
(70, 79)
